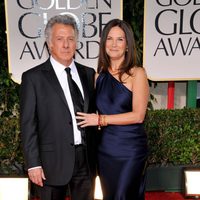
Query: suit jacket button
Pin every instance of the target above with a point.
(70, 122)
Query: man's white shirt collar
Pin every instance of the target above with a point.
(59, 68)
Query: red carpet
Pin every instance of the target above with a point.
(158, 196)
(164, 196)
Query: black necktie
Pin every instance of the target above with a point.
(75, 92)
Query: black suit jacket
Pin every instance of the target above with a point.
(46, 123)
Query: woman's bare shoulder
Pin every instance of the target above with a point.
(138, 71)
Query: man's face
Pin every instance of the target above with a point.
(62, 43)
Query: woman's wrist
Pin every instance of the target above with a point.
(102, 121)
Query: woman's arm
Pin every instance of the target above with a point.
(140, 89)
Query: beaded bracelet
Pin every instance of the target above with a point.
(102, 121)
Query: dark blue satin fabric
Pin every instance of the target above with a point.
(122, 151)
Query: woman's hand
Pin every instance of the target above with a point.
(87, 119)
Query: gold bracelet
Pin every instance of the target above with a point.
(102, 120)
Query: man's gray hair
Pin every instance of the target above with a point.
(60, 19)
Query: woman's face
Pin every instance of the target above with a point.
(116, 44)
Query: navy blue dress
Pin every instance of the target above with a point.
(122, 151)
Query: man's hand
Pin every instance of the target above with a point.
(36, 175)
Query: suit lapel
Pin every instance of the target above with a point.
(83, 77)
(53, 80)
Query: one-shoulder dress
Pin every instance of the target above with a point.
(122, 151)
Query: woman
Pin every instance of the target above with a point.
(122, 97)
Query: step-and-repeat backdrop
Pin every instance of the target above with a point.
(26, 20)
(172, 39)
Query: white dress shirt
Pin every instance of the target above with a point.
(62, 77)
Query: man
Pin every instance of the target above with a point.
(58, 154)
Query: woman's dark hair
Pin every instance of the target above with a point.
(130, 55)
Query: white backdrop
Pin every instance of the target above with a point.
(26, 20)
(172, 39)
